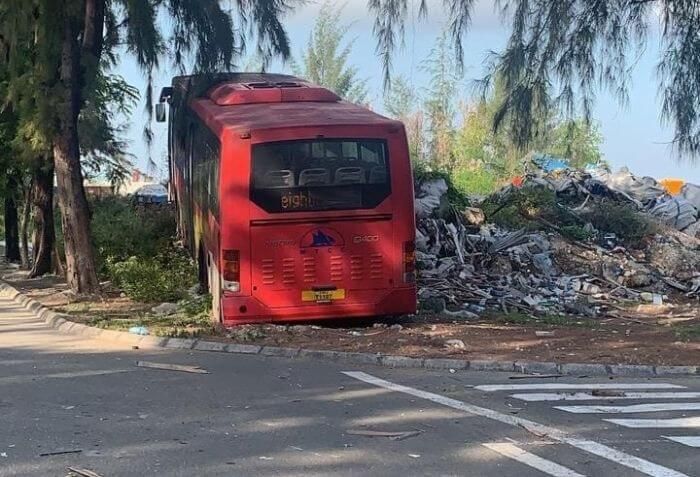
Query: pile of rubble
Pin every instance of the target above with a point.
(468, 266)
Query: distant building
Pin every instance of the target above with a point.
(100, 187)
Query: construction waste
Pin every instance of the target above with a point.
(468, 265)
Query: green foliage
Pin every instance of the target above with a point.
(325, 61)
(121, 229)
(577, 141)
(576, 232)
(439, 104)
(196, 305)
(687, 332)
(456, 197)
(476, 182)
(526, 207)
(537, 208)
(165, 277)
(625, 221)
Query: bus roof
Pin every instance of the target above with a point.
(246, 102)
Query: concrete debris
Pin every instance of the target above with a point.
(430, 195)
(165, 309)
(455, 344)
(468, 266)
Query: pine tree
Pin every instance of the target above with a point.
(325, 60)
(55, 50)
(562, 52)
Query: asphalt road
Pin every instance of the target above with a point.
(259, 416)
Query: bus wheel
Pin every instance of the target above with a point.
(214, 281)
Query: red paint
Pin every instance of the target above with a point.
(360, 251)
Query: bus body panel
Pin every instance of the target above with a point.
(298, 264)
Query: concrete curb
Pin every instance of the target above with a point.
(62, 323)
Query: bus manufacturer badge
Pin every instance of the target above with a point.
(365, 238)
(322, 237)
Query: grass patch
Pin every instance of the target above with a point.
(688, 332)
(519, 318)
(192, 320)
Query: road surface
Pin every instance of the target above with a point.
(86, 404)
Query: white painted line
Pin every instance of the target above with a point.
(690, 441)
(532, 397)
(75, 374)
(543, 465)
(614, 455)
(681, 422)
(552, 386)
(655, 407)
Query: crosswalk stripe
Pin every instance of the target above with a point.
(590, 397)
(685, 422)
(610, 453)
(543, 465)
(654, 407)
(565, 386)
(690, 441)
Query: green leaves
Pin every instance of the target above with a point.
(325, 60)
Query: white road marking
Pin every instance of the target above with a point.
(655, 407)
(589, 397)
(690, 441)
(551, 386)
(543, 465)
(74, 374)
(614, 455)
(684, 422)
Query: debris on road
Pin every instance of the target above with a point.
(138, 330)
(172, 367)
(393, 435)
(61, 452)
(79, 472)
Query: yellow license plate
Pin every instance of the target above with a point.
(323, 296)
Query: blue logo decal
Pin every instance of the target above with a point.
(321, 240)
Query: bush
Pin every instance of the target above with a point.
(166, 277)
(526, 208)
(475, 182)
(457, 198)
(629, 224)
(121, 229)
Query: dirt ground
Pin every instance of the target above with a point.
(641, 334)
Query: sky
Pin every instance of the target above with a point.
(633, 135)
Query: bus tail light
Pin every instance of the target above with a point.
(232, 270)
(409, 262)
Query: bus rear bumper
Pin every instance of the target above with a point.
(242, 310)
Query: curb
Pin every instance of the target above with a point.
(62, 323)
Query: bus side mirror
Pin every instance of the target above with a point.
(160, 112)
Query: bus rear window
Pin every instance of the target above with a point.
(318, 175)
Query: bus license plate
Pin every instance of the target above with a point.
(323, 296)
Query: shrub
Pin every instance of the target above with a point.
(121, 229)
(457, 198)
(626, 222)
(166, 277)
(475, 182)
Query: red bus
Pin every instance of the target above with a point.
(295, 204)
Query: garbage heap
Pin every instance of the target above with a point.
(468, 266)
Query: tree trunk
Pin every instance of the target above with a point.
(11, 225)
(81, 274)
(42, 197)
(24, 228)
